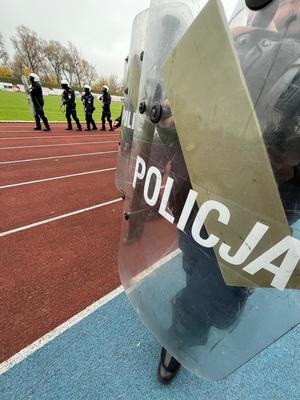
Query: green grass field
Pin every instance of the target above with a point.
(14, 107)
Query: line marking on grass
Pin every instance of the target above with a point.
(48, 337)
(56, 145)
(57, 177)
(47, 221)
(56, 137)
(57, 157)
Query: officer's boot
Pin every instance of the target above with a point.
(168, 367)
(103, 124)
(37, 123)
(88, 126)
(94, 125)
(47, 126)
(111, 126)
(78, 126)
(69, 128)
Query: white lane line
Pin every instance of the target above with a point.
(57, 157)
(52, 133)
(57, 145)
(136, 280)
(47, 221)
(100, 136)
(39, 343)
(58, 177)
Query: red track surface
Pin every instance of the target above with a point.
(23, 172)
(51, 272)
(29, 153)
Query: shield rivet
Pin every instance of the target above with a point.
(142, 107)
(155, 113)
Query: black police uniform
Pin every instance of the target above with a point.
(88, 103)
(206, 301)
(36, 94)
(106, 100)
(68, 97)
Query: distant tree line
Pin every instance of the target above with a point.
(52, 61)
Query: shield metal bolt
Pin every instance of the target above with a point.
(155, 113)
(126, 216)
(142, 107)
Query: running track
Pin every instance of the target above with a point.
(60, 227)
(60, 224)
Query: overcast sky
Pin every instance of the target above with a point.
(99, 28)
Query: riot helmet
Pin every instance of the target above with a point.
(34, 78)
(64, 84)
(105, 89)
(87, 88)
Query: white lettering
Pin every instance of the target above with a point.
(187, 209)
(152, 171)
(165, 200)
(284, 272)
(128, 119)
(251, 241)
(139, 174)
(204, 210)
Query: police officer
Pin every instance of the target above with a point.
(36, 94)
(206, 305)
(106, 100)
(282, 142)
(68, 98)
(88, 105)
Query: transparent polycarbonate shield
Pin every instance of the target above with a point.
(131, 91)
(27, 90)
(210, 249)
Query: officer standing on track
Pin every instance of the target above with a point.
(68, 98)
(36, 94)
(106, 100)
(88, 104)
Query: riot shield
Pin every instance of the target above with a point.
(132, 75)
(27, 90)
(209, 254)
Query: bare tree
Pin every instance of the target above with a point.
(89, 73)
(57, 57)
(113, 83)
(29, 47)
(52, 60)
(75, 63)
(3, 52)
(17, 65)
(67, 71)
(46, 71)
